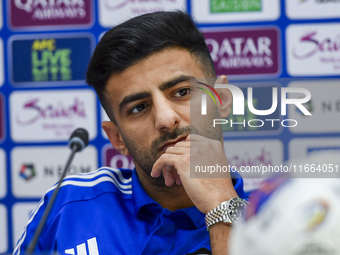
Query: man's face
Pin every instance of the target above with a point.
(151, 105)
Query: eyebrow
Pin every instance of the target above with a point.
(173, 82)
(164, 86)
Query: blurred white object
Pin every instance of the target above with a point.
(293, 216)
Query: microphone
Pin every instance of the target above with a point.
(77, 142)
(79, 138)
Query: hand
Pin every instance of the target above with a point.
(205, 193)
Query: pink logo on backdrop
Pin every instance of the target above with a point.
(33, 13)
(2, 117)
(32, 111)
(114, 159)
(244, 52)
(114, 5)
(312, 45)
(264, 158)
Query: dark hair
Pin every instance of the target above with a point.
(132, 41)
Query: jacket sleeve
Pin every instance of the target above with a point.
(30, 228)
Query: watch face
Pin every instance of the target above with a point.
(237, 207)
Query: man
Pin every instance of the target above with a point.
(141, 71)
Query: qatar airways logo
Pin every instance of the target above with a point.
(313, 45)
(114, 5)
(43, 13)
(239, 105)
(32, 111)
(240, 52)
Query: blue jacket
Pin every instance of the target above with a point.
(108, 212)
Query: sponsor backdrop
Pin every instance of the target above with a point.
(45, 46)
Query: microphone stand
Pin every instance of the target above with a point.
(42, 222)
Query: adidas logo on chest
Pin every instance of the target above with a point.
(92, 248)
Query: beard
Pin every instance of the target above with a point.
(147, 156)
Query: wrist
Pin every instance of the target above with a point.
(228, 212)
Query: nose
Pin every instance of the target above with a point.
(166, 118)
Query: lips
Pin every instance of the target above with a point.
(172, 143)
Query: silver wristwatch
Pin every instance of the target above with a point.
(228, 212)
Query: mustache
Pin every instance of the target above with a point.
(177, 132)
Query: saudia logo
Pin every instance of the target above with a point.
(313, 45)
(263, 158)
(53, 9)
(50, 63)
(33, 112)
(239, 105)
(113, 5)
(217, 6)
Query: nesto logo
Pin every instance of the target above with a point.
(44, 13)
(36, 169)
(325, 108)
(51, 115)
(27, 171)
(244, 51)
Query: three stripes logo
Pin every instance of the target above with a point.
(81, 248)
(204, 97)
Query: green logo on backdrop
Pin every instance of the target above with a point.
(217, 6)
(50, 63)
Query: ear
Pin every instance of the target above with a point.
(115, 137)
(226, 97)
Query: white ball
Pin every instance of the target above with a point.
(291, 217)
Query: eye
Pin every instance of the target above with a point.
(182, 92)
(138, 108)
